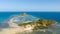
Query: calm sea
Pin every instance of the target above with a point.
(45, 15)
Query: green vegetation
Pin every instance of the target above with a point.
(39, 24)
(24, 24)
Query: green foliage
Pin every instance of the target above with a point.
(50, 22)
(40, 24)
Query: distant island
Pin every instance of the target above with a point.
(38, 24)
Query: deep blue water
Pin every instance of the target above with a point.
(46, 15)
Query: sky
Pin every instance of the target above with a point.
(29, 5)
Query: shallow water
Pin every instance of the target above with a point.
(47, 31)
(51, 30)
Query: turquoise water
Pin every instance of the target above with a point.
(46, 15)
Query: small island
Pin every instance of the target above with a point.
(38, 24)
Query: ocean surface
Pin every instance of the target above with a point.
(45, 15)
